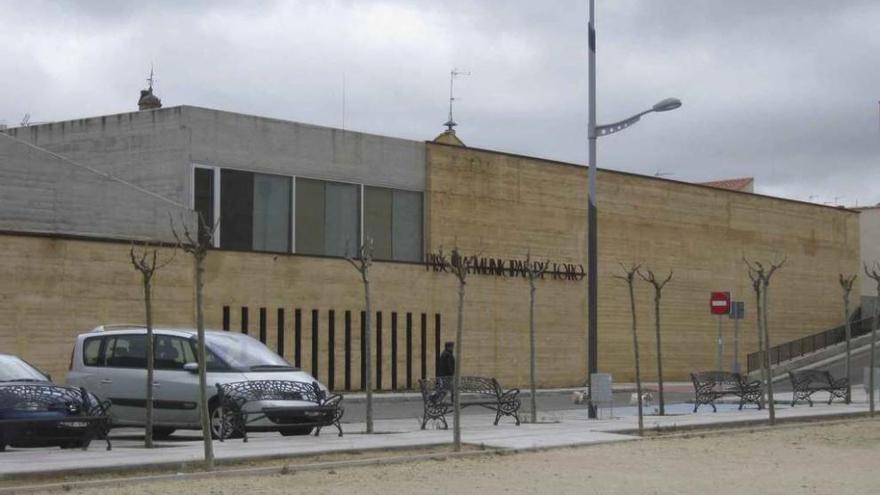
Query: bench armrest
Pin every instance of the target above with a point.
(509, 395)
(333, 400)
(839, 382)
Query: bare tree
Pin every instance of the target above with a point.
(873, 273)
(459, 265)
(760, 276)
(846, 283)
(658, 294)
(197, 246)
(630, 273)
(147, 263)
(362, 264)
(533, 272)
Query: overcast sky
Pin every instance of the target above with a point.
(785, 91)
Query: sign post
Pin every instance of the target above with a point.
(719, 304)
(737, 312)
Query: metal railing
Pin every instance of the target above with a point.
(811, 343)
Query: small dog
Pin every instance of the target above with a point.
(647, 399)
(579, 397)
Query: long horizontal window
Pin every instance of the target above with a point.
(256, 212)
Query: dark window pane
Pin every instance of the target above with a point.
(171, 353)
(236, 209)
(271, 218)
(377, 220)
(203, 194)
(127, 351)
(309, 216)
(407, 226)
(342, 218)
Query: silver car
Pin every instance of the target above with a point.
(110, 361)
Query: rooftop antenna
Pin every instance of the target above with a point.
(812, 197)
(660, 173)
(26, 120)
(452, 75)
(151, 79)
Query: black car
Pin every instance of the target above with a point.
(35, 412)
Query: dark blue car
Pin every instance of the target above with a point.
(35, 412)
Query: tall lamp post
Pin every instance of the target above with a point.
(593, 132)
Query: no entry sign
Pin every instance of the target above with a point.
(719, 303)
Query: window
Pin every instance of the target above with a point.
(126, 351)
(92, 351)
(255, 211)
(393, 219)
(203, 194)
(171, 353)
(327, 217)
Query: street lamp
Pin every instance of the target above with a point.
(593, 132)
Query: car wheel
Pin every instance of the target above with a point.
(296, 431)
(221, 416)
(76, 444)
(162, 432)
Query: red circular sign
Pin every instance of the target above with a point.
(719, 303)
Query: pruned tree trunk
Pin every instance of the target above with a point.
(771, 404)
(147, 264)
(533, 388)
(760, 277)
(460, 267)
(658, 294)
(873, 273)
(148, 414)
(362, 264)
(533, 272)
(628, 278)
(204, 416)
(456, 406)
(197, 245)
(762, 349)
(846, 283)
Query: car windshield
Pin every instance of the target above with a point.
(13, 369)
(245, 353)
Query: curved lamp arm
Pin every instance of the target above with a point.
(604, 130)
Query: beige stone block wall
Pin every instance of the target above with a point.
(505, 205)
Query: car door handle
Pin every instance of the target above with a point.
(106, 380)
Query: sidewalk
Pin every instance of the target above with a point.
(561, 429)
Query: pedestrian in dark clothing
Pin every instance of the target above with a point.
(446, 361)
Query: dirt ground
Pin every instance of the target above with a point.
(809, 458)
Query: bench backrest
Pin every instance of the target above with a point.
(430, 387)
(810, 377)
(256, 390)
(716, 378)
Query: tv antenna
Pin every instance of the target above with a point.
(452, 75)
(26, 120)
(660, 173)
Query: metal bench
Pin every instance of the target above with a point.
(323, 410)
(709, 386)
(86, 417)
(475, 390)
(805, 383)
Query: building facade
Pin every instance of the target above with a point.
(292, 200)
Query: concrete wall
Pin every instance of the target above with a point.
(246, 142)
(869, 226)
(42, 193)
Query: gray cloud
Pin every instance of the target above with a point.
(783, 91)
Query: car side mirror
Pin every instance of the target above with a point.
(191, 367)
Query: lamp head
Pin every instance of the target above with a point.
(666, 105)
